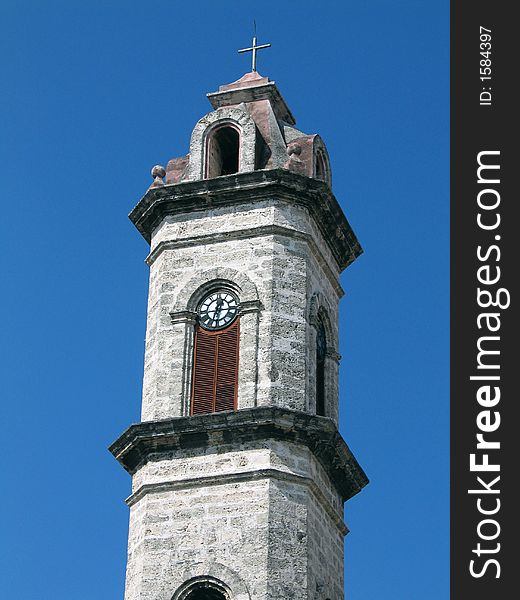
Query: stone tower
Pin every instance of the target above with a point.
(239, 473)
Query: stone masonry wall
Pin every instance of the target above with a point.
(278, 247)
(255, 514)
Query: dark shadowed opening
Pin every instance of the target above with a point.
(321, 171)
(321, 349)
(205, 594)
(223, 152)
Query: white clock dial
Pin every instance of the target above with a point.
(218, 310)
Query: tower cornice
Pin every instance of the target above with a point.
(150, 440)
(231, 96)
(242, 188)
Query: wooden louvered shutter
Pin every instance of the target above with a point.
(215, 370)
(204, 370)
(227, 368)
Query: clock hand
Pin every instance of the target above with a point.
(218, 308)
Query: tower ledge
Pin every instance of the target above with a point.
(151, 439)
(252, 187)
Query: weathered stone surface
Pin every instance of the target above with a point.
(252, 187)
(264, 509)
(151, 441)
(252, 88)
(273, 252)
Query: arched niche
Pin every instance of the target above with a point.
(222, 152)
(319, 311)
(204, 577)
(321, 161)
(203, 587)
(184, 316)
(323, 360)
(226, 118)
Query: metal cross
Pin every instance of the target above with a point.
(254, 48)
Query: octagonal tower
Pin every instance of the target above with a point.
(239, 473)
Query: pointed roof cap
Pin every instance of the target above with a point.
(251, 88)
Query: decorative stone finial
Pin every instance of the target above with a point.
(294, 162)
(158, 172)
(294, 149)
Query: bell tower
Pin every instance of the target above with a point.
(239, 472)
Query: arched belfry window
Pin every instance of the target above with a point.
(215, 358)
(222, 151)
(321, 350)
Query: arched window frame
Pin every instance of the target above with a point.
(203, 582)
(184, 320)
(320, 369)
(209, 137)
(321, 170)
(220, 349)
(319, 316)
(239, 117)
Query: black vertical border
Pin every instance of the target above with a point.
(476, 128)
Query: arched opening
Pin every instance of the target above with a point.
(321, 169)
(203, 588)
(204, 593)
(321, 351)
(222, 152)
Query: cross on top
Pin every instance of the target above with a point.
(254, 48)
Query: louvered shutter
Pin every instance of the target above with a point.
(227, 368)
(215, 370)
(204, 370)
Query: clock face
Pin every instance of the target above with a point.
(218, 310)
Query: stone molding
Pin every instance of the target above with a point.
(267, 91)
(227, 478)
(333, 355)
(251, 232)
(192, 292)
(190, 317)
(183, 316)
(251, 187)
(203, 582)
(250, 306)
(151, 440)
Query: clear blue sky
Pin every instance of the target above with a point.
(94, 94)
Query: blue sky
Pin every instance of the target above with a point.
(96, 93)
